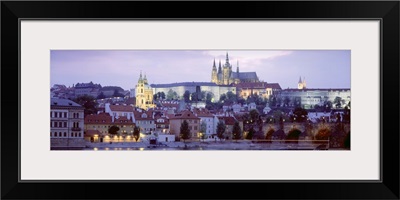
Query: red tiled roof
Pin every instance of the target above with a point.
(122, 108)
(105, 118)
(138, 115)
(251, 85)
(202, 112)
(102, 118)
(131, 100)
(186, 114)
(274, 86)
(228, 120)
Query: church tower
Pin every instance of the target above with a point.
(214, 76)
(301, 84)
(144, 94)
(227, 69)
(219, 75)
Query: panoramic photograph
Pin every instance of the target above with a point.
(180, 100)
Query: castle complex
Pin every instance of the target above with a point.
(225, 75)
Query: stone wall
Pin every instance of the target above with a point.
(301, 127)
(67, 142)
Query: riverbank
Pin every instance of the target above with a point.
(224, 145)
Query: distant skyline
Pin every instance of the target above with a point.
(321, 68)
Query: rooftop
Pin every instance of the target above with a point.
(63, 102)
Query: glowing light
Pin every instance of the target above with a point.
(95, 149)
(141, 148)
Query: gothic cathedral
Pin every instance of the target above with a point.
(225, 75)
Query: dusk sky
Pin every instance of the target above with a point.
(321, 68)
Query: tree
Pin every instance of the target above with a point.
(231, 96)
(236, 131)
(327, 106)
(113, 130)
(300, 114)
(202, 95)
(186, 96)
(161, 95)
(194, 96)
(286, 101)
(272, 101)
(222, 97)
(254, 115)
(185, 131)
(101, 96)
(171, 95)
(221, 127)
(117, 94)
(278, 102)
(203, 129)
(338, 102)
(209, 97)
(89, 104)
(136, 133)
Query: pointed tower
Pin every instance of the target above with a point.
(214, 76)
(219, 74)
(145, 79)
(144, 93)
(219, 68)
(300, 84)
(237, 68)
(304, 83)
(227, 57)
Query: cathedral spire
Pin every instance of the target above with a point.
(219, 68)
(140, 77)
(214, 66)
(227, 57)
(300, 80)
(237, 68)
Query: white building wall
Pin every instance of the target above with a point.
(210, 124)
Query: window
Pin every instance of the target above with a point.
(65, 134)
(60, 124)
(55, 114)
(55, 134)
(65, 115)
(65, 124)
(195, 127)
(79, 134)
(72, 134)
(51, 114)
(55, 124)
(51, 134)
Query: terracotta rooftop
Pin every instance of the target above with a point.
(186, 114)
(228, 120)
(121, 108)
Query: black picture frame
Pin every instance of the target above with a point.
(386, 11)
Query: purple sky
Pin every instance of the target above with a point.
(321, 68)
